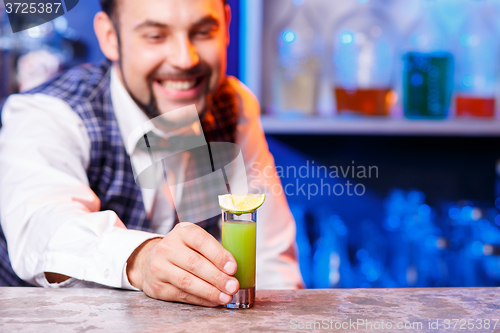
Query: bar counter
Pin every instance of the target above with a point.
(336, 310)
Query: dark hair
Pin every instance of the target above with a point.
(108, 6)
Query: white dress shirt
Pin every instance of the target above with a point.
(52, 219)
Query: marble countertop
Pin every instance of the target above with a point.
(334, 310)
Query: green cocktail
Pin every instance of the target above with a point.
(238, 237)
(239, 217)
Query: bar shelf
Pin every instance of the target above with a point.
(381, 126)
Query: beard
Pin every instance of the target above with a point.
(150, 109)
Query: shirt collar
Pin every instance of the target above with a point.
(133, 122)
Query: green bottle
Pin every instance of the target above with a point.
(428, 68)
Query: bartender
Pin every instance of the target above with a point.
(71, 211)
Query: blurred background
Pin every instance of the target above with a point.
(406, 88)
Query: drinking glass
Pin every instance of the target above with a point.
(239, 238)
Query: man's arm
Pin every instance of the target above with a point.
(55, 229)
(277, 266)
(49, 215)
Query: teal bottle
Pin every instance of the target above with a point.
(428, 69)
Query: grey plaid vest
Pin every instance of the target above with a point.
(87, 90)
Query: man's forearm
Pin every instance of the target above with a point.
(135, 263)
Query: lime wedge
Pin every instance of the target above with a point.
(241, 203)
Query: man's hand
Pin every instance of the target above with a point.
(188, 265)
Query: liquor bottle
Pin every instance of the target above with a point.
(477, 52)
(295, 77)
(428, 68)
(364, 54)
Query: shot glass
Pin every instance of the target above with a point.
(239, 238)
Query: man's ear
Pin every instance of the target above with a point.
(228, 22)
(107, 36)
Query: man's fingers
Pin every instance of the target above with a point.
(195, 263)
(191, 266)
(201, 241)
(193, 285)
(169, 292)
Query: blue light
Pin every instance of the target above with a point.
(426, 265)
(362, 1)
(465, 40)
(416, 197)
(497, 220)
(367, 266)
(417, 79)
(490, 236)
(477, 248)
(289, 36)
(454, 213)
(61, 24)
(372, 275)
(483, 224)
(298, 2)
(413, 232)
(424, 209)
(497, 203)
(393, 221)
(346, 38)
(341, 229)
(468, 80)
(430, 242)
(362, 254)
(467, 212)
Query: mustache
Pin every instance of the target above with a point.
(200, 70)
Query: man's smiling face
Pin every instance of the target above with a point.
(171, 53)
